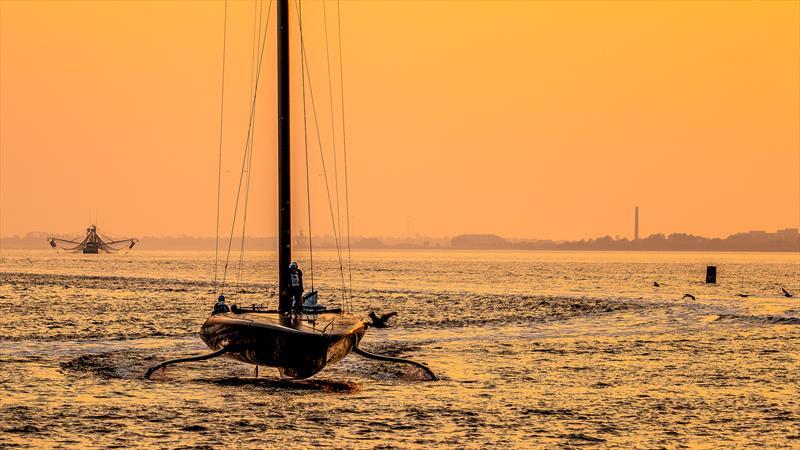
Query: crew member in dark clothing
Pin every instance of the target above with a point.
(220, 306)
(295, 287)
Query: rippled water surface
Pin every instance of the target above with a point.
(534, 349)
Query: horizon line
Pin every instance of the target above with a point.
(410, 237)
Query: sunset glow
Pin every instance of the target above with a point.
(524, 119)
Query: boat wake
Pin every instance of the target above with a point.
(118, 364)
(759, 320)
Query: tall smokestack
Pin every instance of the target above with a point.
(636, 224)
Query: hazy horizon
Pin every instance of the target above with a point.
(298, 230)
(541, 120)
(395, 237)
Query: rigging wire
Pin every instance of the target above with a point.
(244, 158)
(336, 218)
(319, 143)
(308, 178)
(257, 17)
(344, 151)
(219, 162)
(333, 121)
(247, 154)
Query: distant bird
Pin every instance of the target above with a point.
(743, 295)
(380, 322)
(688, 296)
(655, 283)
(786, 293)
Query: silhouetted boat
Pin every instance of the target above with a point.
(92, 243)
(298, 344)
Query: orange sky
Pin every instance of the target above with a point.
(525, 119)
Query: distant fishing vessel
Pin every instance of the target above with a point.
(298, 343)
(92, 243)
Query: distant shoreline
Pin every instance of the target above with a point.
(781, 241)
(423, 249)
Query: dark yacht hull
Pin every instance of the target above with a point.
(299, 348)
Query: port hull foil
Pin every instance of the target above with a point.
(298, 346)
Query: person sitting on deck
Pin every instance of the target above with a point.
(220, 306)
(295, 287)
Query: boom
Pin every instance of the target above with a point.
(92, 243)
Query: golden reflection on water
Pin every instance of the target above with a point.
(568, 350)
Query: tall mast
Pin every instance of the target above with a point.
(284, 165)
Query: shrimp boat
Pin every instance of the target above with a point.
(299, 344)
(92, 243)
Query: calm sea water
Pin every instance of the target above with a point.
(534, 349)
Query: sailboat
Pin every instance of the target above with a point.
(298, 343)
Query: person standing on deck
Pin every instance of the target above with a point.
(295, 287)
(220, 307)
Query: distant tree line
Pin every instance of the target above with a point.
(787, 240)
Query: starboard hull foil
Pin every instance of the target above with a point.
(298, 347)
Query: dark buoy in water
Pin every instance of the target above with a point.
(655, 284)
(711, 274)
